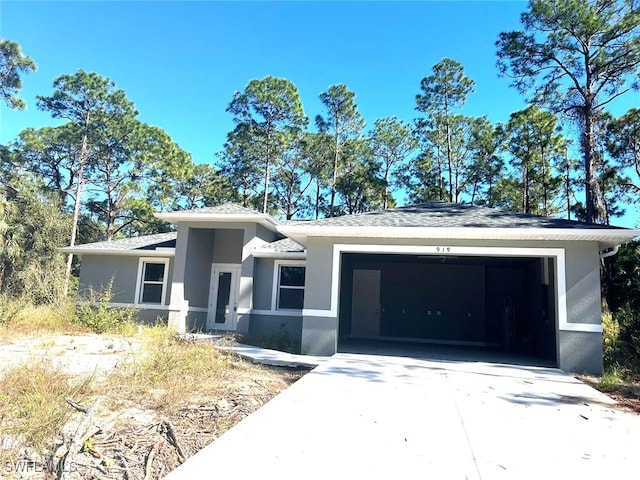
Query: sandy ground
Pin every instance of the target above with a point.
(74, 354)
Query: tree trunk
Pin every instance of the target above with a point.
(78, 201)
(335, 171)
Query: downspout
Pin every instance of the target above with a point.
(609, 253)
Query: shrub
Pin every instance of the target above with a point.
(610, 337)
(95, 313)
(9, 308)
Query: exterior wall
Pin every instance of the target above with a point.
(200, 247)
(577, 350)
(199, 244)
(263, 283)
(98, 270)
(228, 246)
(269, 324)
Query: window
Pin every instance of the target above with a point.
(152, 281)
(290, 286)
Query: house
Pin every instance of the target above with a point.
(438, 272)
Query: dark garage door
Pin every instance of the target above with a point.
(502, 303)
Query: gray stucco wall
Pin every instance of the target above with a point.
(98, 270)
(269, 324)
(262, 283)
(197, 272)
(227, 247)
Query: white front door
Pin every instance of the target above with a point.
(365, 308)
(223, 297)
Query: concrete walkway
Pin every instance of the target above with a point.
(375, 416)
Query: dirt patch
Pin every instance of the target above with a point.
(626, 396)
(140, 430)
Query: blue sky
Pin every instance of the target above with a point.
(181, 62)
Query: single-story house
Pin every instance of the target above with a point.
(441, 273)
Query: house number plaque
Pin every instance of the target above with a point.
(443, 249)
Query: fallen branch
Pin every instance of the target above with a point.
(76, 405)
(149, 463)
(77, 441)
(173, 439)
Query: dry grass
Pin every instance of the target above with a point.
(33, 406)
(35, 320)
(171, 369)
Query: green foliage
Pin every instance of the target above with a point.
(446, 136)
(265, 111)
(31, 231)
(576, 57)
(12, 65)
(341, 125)
(533, 139)
(10, 307)
(95, 313)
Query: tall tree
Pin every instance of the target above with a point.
(391, 142)
(268, 108)
(293, 179)
(361, 187)
(487, 166)
(342, 123)
(12, 65)
(51, 154)
(443, 93)
(623, 135)
(533, 140)
(576, 56)
(129, 158)
(89, 102)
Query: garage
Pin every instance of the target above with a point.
(501, 303)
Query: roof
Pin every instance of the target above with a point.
(284, 248)
(160, 244)
(442, 215)
(228, 212)
(440, 220)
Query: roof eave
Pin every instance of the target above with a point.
(300, 233)
(272, 254)
(119, 252)
(176, 217)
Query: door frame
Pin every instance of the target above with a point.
(232, 320)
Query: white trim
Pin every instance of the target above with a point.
(234, 295)
(151, 306)
(166, 253)
(274, 313)
(301, 232)
(444, 250)
(185, 216)
(283, 255)
(139, 280)
(275, 285)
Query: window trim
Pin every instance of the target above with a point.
(275, 291)
(140, 280)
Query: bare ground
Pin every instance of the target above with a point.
(128, 436)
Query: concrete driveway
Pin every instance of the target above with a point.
(376, 416)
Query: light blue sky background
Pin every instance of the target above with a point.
(181, 62)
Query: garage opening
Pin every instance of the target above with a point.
(503, 304)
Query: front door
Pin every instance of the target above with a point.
(223, 297)
(365, 309)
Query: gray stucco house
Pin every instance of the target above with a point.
(438, 272)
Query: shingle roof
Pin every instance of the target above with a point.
(441, 214)
(225, 209)
(283, 246)
(146, 242)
